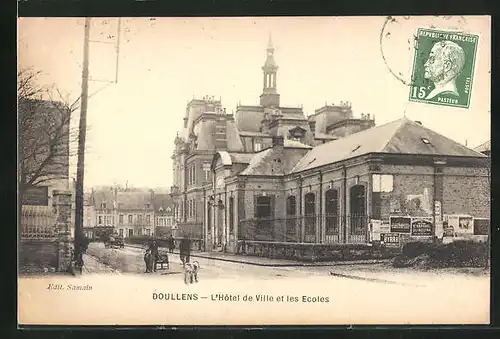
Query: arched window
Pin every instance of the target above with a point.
(358, 210)
(331, 211)
(291, 220)
(291, 205)
(231, 215)
(310, 217)
(263, 214)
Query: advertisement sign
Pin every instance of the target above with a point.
(400, 224)
(481, 226)
(421, 226)
(465, 224)
(390, 239)
(36, 196)
(438, 211)
(461, 223)
(378, 227)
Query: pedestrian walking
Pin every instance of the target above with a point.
(185, 250)
(171, 244)
(148, 260)
(154, 253)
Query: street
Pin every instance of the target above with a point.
(243, 294)
(130, 260)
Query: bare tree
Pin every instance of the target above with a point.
(45, 133)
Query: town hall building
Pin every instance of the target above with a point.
(270, 174)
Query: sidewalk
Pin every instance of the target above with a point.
(93, 266)
(269, 262)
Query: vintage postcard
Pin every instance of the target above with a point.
(254, 170)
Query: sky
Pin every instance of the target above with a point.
(162, 63)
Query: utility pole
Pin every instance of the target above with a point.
(79, 236)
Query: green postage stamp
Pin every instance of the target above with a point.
(443, 67)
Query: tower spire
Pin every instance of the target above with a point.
(270, 42)
(270, 96)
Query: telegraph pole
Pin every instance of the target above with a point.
(79, 236)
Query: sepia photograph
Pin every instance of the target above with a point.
(254, 170)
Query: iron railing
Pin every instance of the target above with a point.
(319, 228)
(37, 223)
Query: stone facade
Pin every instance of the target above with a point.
(337, 201)
(208, 129)
(122, 211)
(269, 174)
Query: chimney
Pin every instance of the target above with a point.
(368, 116)
(278, 141)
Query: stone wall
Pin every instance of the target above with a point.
(35, 255)
(40, 253)
(467, 191)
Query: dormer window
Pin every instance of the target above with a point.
(297, 133)
(426, 141)
(257, 147)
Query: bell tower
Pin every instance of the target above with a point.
(269, 96)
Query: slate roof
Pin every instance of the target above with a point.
(265, 162)
(288, 143)
(400, 136)
(484, 147)
(88, 199)
(105, 195)
(229, 158)
(261, 164)
(162, 201)
(233, 139)
(248, 118)
(241, 158)
(133, 200)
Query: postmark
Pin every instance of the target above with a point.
(443, 67)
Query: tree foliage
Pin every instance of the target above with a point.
(44, 132)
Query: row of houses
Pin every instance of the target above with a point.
(127, 212)
(268, 173)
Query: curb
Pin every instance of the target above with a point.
(339, 263)
(375, 280)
